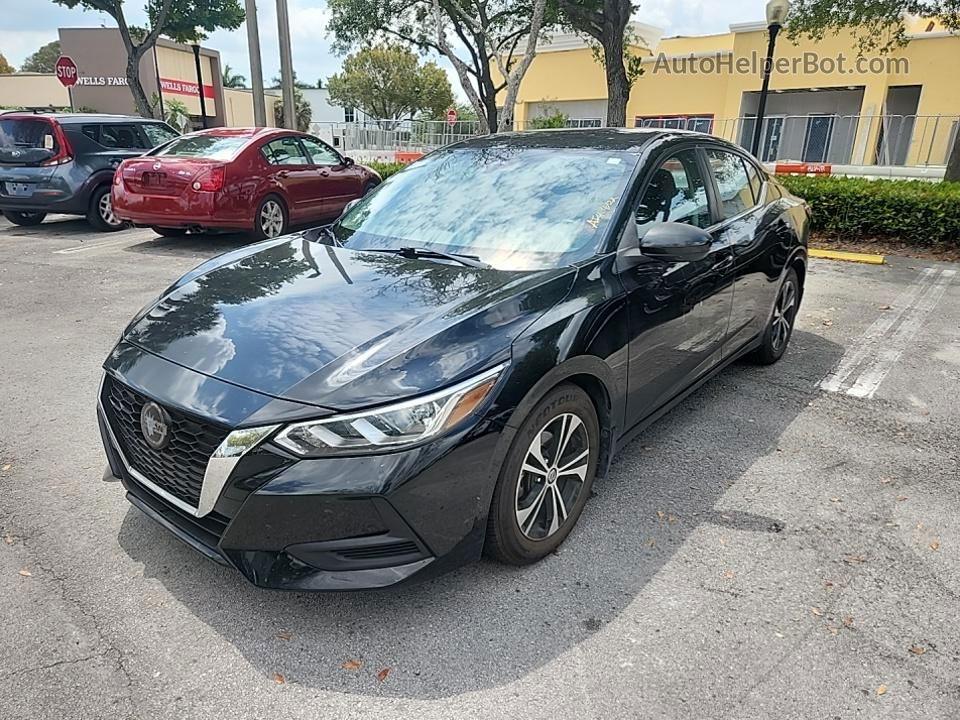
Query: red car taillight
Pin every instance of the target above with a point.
(64, 151)
(212, 180)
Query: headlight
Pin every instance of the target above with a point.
(392, 426)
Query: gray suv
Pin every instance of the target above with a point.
(64, 163)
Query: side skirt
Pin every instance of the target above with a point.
(629, 435)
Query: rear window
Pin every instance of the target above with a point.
(27, 139)
(204, 146)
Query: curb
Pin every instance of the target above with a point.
(867, 258)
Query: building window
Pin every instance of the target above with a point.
(349, 115)
(700, 123)
(584, 123)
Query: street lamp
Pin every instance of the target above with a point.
(203, 103)
(777, 12)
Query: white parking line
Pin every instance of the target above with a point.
(871, 338)
(881, 346)
(870, 379)
(93, 246)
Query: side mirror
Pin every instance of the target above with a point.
(348, 161)
(675, 242)
(349, 206)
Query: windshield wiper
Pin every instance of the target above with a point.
(415, 252)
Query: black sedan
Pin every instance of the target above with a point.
(448, 368)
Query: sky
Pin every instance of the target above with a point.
(25, 28)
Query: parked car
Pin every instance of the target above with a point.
(262, 180)
(64, 163)
(449, 366)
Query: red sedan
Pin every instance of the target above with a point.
(250, 179)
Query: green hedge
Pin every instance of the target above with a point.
(385, 170)
(911, 211)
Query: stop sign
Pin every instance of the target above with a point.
(67, 72)
(451, 116)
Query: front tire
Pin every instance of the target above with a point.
(546, 478)
(26, 219)
(779, 329)
(100, 215)
(272, 219)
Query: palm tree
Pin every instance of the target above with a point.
(232, 79)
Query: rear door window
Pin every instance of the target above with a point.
(120, 137)
(736, 195)
(158, 134)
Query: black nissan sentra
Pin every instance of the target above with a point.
(448, 368)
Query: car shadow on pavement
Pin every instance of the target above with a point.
(487, 625)
(191, 245)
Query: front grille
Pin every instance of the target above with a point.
(179, 467)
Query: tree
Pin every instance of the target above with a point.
(553, 119)
(389, 83)
(43, 60)
(487, 32)
(181, 20)
(878, 25)
(304, 112)
(607, 23)
(5, 67)
(232, 79)
(276, 83)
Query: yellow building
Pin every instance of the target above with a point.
(827, 103)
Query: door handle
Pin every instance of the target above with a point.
(283, 174)
(325, 173)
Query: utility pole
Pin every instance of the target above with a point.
(203, 102)
(286, 66)
(256, 69)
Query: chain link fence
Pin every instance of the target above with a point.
(904, 140)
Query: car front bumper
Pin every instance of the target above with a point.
(347, 523)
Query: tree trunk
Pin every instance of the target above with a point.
(953, 162)
(144, 108)
(618, 87)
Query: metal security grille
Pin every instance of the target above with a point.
(177, 469)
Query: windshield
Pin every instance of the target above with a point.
(158, 134)
(212, 147)
(515, 208)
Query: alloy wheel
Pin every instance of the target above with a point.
(552, 476)
(105, 208)
(783, 315)
(271, 218)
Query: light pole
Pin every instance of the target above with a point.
(203, 102)
(256, 69)
(777, 11)
(286, 66)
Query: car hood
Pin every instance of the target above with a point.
(340, 328)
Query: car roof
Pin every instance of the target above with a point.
(75, 118)
(623, 139)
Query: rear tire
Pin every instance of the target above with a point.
(779, 329)
(272, 219)
(100, 215)
(546, 478)
(26, 219)
(169, 232)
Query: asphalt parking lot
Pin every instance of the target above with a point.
(782, 545)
